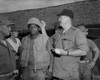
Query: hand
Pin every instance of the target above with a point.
(63, 52)
(91, 65)
(60, 51)
(15, 71)
(57, 51)
(43, 23)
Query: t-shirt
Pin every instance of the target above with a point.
(14, 45)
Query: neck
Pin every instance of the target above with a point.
(13, 38)
(34, 36)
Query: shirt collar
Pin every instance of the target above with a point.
(69, 30)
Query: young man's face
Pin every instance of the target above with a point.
(6, 30)
(64, 20)
(15, 33)
(34, 29)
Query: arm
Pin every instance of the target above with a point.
(95, 52)
(21, 45)
(43, 28)
(78, 52)
(81, 46)
(49, 48)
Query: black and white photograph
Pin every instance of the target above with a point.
(49, 39)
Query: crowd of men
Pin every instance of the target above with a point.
(67, 55)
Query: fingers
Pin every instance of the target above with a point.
(43, 23)
(53, 50)
(15, 71)
(90, 66)
(57, 51)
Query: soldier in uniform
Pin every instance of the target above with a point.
(69, 44)
(7, 56)
(87, 62)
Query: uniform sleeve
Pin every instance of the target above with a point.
(49, 45)
(93, 45)
(81, 41)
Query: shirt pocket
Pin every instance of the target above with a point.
(67, 44)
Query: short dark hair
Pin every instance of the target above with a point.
(66, 12)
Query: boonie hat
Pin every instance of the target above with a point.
(34, 20)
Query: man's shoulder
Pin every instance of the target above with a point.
(90, 41)
(24, 38)
(2, 46)
(77, 29)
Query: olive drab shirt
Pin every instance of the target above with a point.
(70, 40)
(7, 59)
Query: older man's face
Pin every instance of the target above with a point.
(64, 20)
(6, 29)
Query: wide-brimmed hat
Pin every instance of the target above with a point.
(83, 28)
(66, 12)
(34, 20)
(5, 22)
